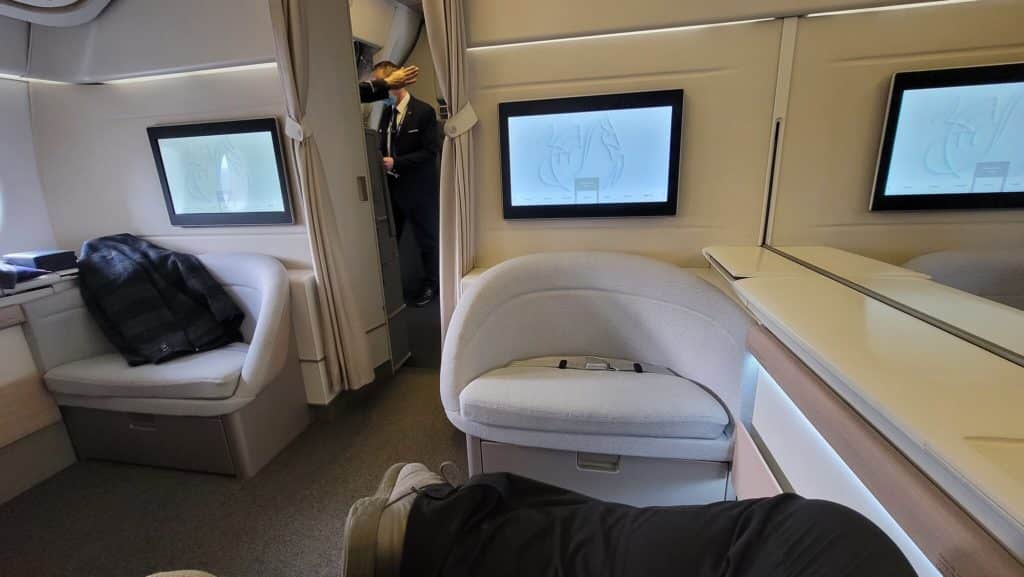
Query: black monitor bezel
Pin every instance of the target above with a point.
(949, 77)
(286, 216)
(673, 98)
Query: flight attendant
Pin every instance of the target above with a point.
(410, 146)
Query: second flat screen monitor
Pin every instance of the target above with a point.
(591, 156)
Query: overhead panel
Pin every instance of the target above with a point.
(491, 22)
(58, 13)
(13, 46)
(148, 37)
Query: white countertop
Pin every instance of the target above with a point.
(995, 322)
(847, 264)
(950, 406)
(752, 261)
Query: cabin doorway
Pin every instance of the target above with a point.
(422, 321)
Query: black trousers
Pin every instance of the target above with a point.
(504, 525)
(420, 209)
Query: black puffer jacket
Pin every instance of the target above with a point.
(154, 304)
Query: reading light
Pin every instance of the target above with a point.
(136, 79)
(616, 34)
(890, 7)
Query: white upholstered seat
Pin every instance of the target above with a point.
(208, 375)
(593, 402)
(996, 275)
(607, 305)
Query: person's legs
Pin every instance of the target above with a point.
(799, 537)
(399, 217)
(505, 526)
(425, 223)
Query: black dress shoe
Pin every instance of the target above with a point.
(426, 297)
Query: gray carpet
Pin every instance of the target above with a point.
(111, 520)
(424, 325)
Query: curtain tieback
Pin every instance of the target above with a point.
(459, 124)
(295, 130)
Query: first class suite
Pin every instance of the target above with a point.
(720, 288)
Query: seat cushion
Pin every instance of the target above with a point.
(208, 375)
(594, 402)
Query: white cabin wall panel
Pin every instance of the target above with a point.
(838, 98)
(426, 88)
(728, 75)
(24, 222)
(146, 37)
(490, 22)
(98, 171)
(13, 46)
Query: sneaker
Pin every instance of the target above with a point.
(426, 297)
(375, 527)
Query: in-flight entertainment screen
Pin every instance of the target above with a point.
(222, 173)
(953, 139)
(591, 156)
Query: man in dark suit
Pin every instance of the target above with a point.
(410, 145)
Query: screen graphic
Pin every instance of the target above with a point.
(223, 173)
(959, 140)
(593, 157)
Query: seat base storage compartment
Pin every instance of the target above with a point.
(639, 481)
(177, 442)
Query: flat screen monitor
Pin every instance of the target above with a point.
(953, 139)
(591, 156)
(222, 173)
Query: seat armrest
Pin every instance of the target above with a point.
(259, 284)
(271, 338)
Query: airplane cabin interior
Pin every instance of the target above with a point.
(390, 288)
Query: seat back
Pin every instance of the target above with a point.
(60, 330)
(259, 285)
(996, 275)
(248, 278)
(604, 304)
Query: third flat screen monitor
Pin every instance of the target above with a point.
(954, 139)
(591, 156)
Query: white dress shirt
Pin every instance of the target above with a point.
(397, 118)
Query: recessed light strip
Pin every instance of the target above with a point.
(137, 79)
(29, 79)
(890, 7)
(614, 34)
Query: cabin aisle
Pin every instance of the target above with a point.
(117, 520)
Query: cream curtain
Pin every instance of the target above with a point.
(347, 349)
(446, 33)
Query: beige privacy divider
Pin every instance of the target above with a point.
(727, 74)
(837, 103)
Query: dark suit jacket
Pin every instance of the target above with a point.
(154, 304)
(373, 90)
(415, 148)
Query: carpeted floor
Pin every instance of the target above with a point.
(100, 519)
